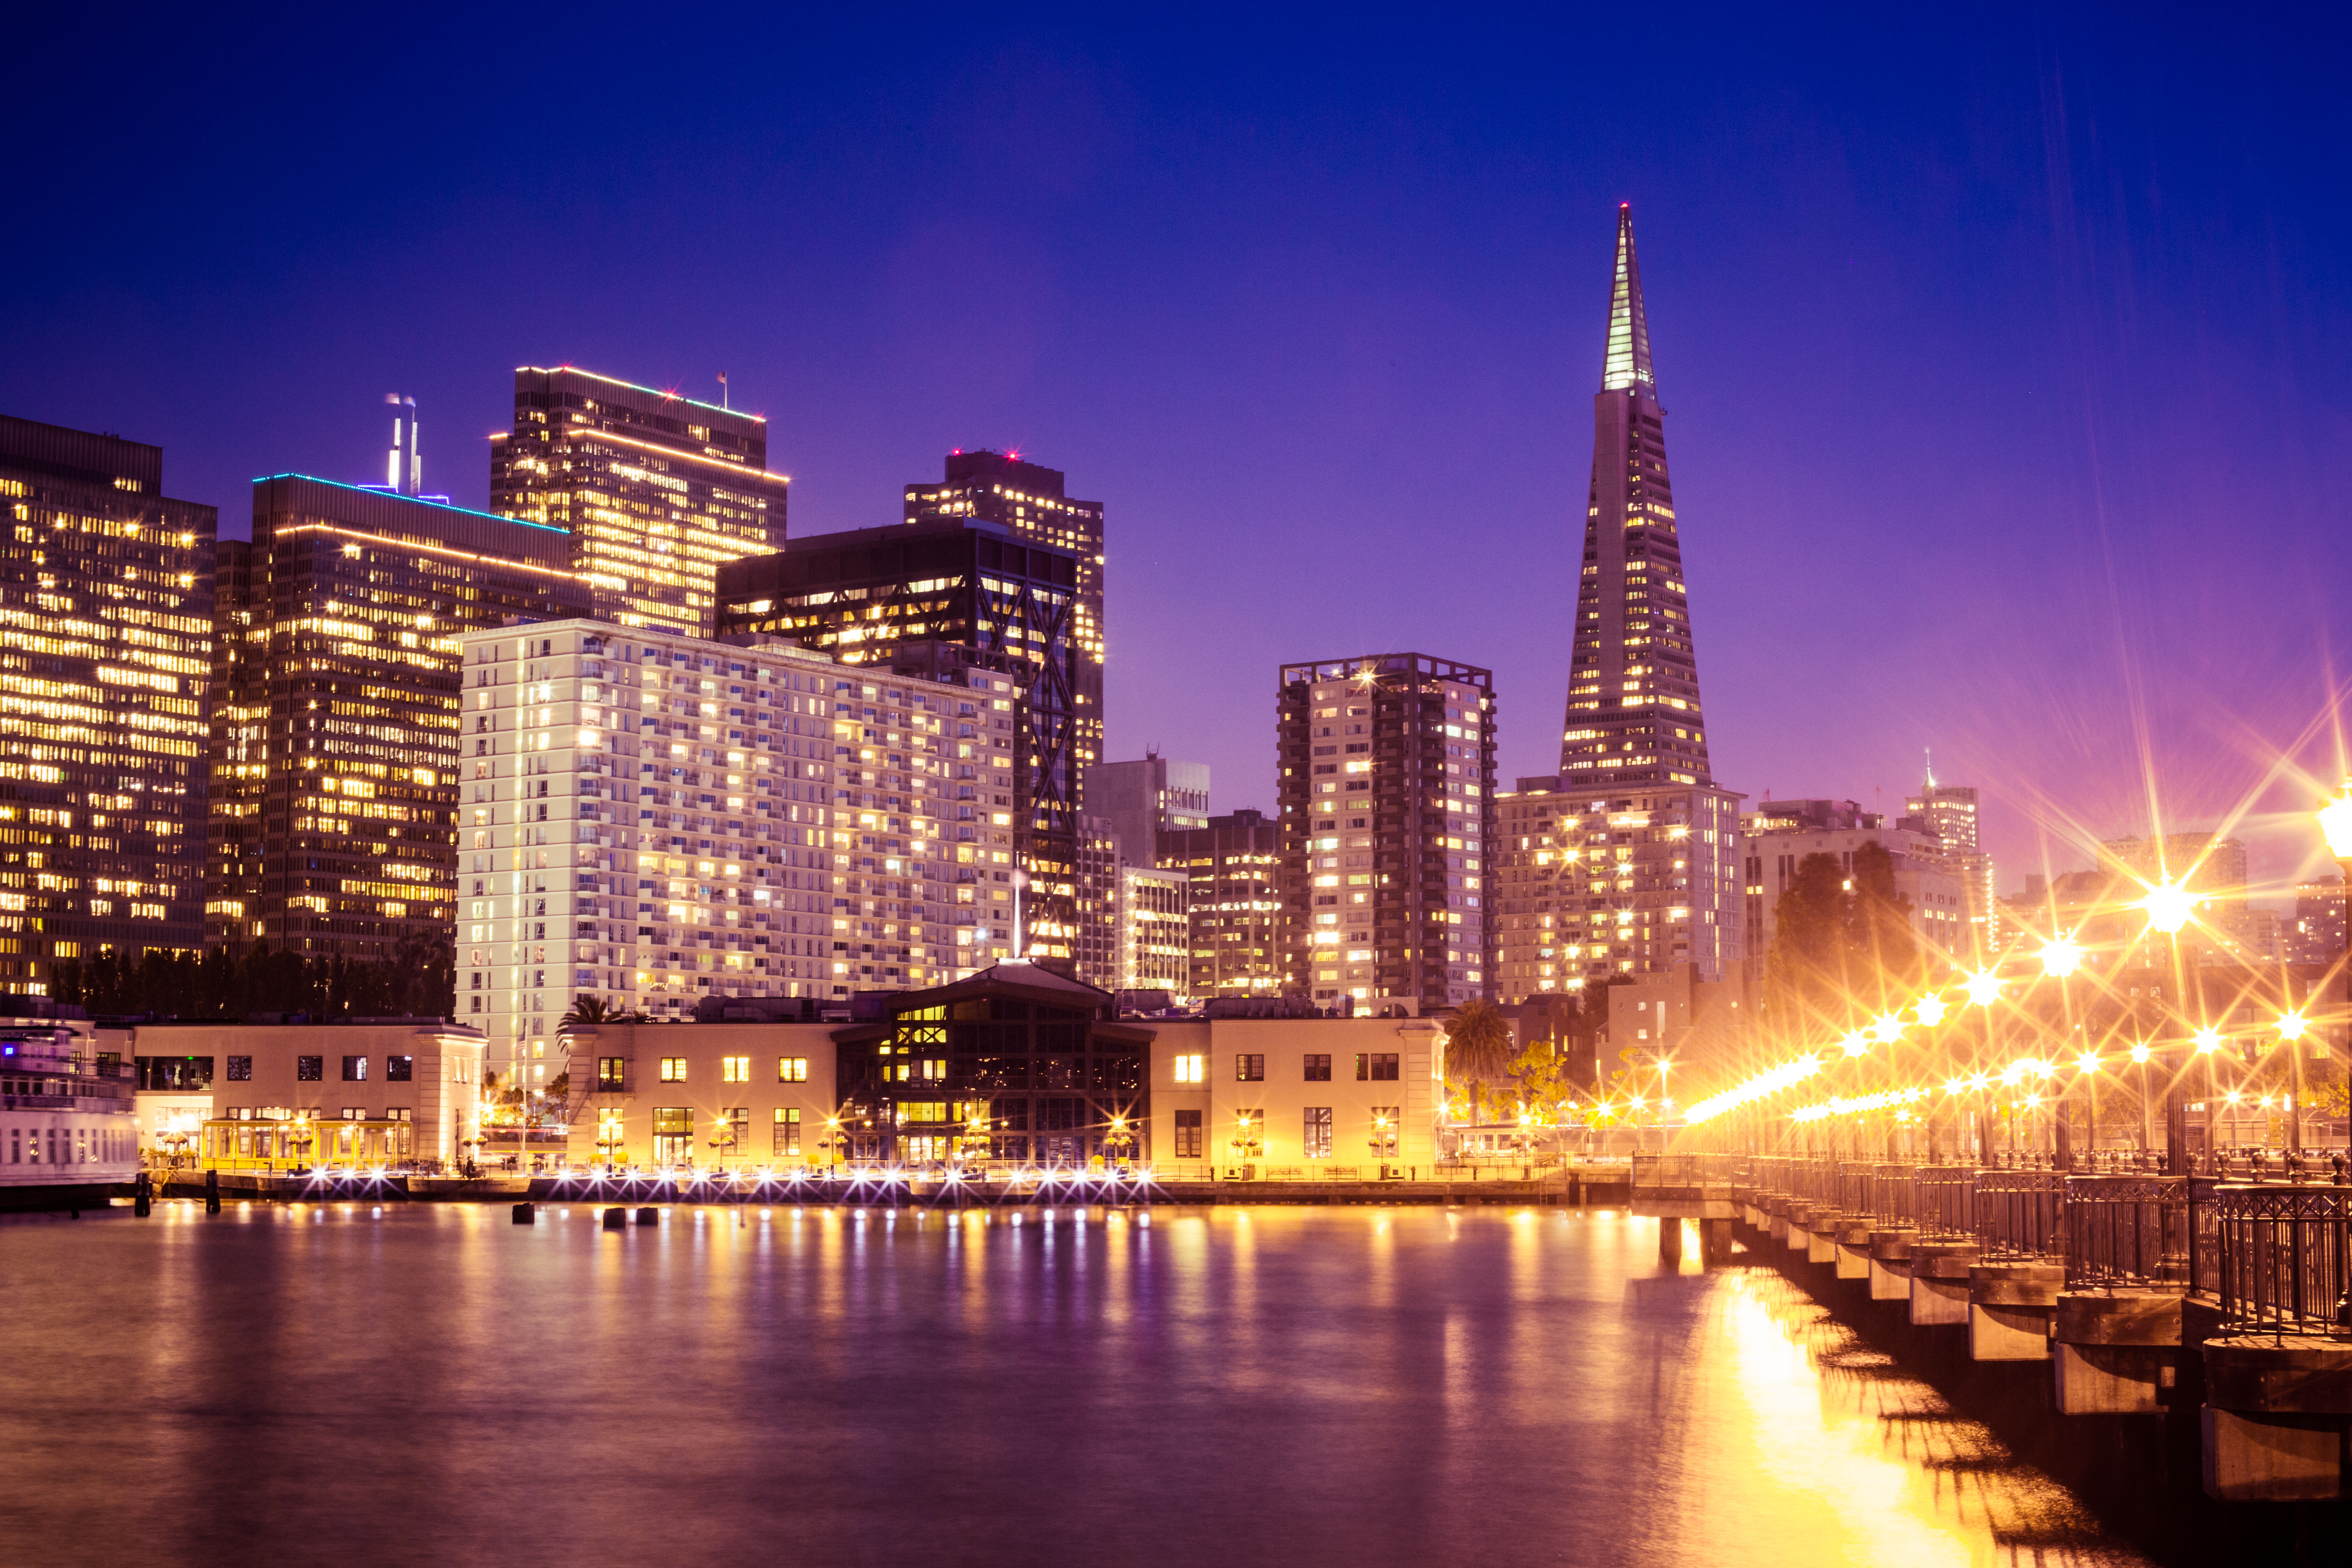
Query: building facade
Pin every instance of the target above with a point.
(1780, 834)
(1031, 502)
(106, 594)
(335, 746)
(1387, 775)
(1950, 811)
(1527, 894)
(1658, 867)
(2316, 936)
(1232, 868)
(654, 492)
(655, 819)
(276, 1096)
(938, 599)
(1153, 930)
(1145, 799)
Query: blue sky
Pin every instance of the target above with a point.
(2005, 354)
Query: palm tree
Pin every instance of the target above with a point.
(586, 1012)
(1478, 1052)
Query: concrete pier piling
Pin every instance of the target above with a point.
(1939, 1280)
(2010, 1306)
(1890, 1263)
(1852, 1237)
(1820, 1235)
(2277, 1418)
(2113, 1353)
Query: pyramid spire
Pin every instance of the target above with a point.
(1627, 362)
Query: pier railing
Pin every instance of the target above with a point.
(2281, 1256)
(1944, 1201)
(2126, 1230)
(1854, 1185)
(2016, 1212)
(1893, 1194)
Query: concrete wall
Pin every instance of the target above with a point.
(1285, 1093)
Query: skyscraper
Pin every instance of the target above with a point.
(1658, 863)
(106, 592)
(656, 491)
(1949, 812)
(957, 599)
(1029, 499)
(1145, 799)
(1233, 868)
(1387, 787)
(335, 723)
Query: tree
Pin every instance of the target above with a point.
(586, 1011)
(1478, 1052)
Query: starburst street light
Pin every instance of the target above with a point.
(2168, 907)
(1983, 987)
(2291, 1026)
(2140, 1054)
(1929, 1009)
(2087, 1062)
(2208, 1041)
(1886, 1029)
(2335, 822)
(2062, 958)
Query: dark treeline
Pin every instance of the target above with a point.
(419, 980)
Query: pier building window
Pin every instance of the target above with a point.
(612, 1073)
(1188, 1134)
(1376, 1066)
(1316, 1133)
(1192, 1068)
(1387, 1121)
(310, 1069)
(792, 1070)
(1319, 1068)
(355, 1070)
(400, 1070)
(672, 1070)
(240, 1070)
(734, 1070)
(734, 1129)
(1249, 1069)
(788, 1130)
(673, 1135)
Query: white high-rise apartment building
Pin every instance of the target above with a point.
(653, 818)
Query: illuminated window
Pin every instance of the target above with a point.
(1249, 1069)
(612, 1072)
(787, 1134)
(672, 1070)
(734, 1070)
(792, 1070)
(1316, 1135)
(1192, 1068)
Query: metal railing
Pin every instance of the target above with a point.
(1893, 1195)
(2282, 1257)
(1944, 1201)
(2016, 1212)
(2126, 1230)
(1853, 1182)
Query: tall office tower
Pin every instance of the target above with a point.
(1028, 499)
(1525, 880)
(1949, 812)
(335, 738)
(105, 635)
(1096, 943)
(656, 491)
(2316, 936)
(1154, 933)
(1145, 799)
(656, 819)
(1232, 868)
(1388, 812)
(1659, 853)
(931, 599)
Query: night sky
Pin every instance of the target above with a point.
(2006, 359)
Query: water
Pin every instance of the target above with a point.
(430, 1384)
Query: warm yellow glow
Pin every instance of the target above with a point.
(1756, 1088)
(1886, 1029)
(2062, 958)
(2087, 1062)
(2168, 907)
(2335, 822)
(1930, 1009)
(2291, 1026)
(1983, 987)
(2140, 1054)
(2209, 1040)
(1856, 1044)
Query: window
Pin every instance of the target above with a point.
(1192, 1068)
(355, 1070)
(1249, 1134)
(672, 1070)
(1188, 1134)
(1249, 1069)
(611, 1131)
(734, 1129)
(1386, 1122)
(1319, 1069)
(400, 1070)
(310, 1069)
(1316, 1135)
(1376, 1067)
(673, 1135)
(792, 1070)
(734, 1070)
(612, 1073)
(240, 1070)
(788, 1130)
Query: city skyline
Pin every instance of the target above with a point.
(1958, 439)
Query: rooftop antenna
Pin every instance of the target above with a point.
(1930, 752)
(403, 478)
(722, 390)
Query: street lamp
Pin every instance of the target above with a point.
(2208, 1041)
(2139, 1054)
(2292, 1028)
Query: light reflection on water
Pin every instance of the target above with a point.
(1293, 1386)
